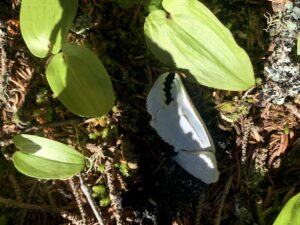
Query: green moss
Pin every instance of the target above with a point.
(104, 202)
(100, 192)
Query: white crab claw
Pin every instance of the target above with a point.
(179, 124)
(156, 98)
(200, 164)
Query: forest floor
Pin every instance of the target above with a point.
(132, 177)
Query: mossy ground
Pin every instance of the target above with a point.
(148, 186)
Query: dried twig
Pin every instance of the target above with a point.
(293, 109)
(3, 63)
(10, 203)
(222, 201)
(122, 182)
(112, 192)
(53, 124)
(247, 128)
(259, 211)
(284, 140)
(88, 194)
(199, 208)
(16, 187)
(78, 200)
(29, 198)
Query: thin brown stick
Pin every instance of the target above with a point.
(259, 211)
(78, 201)
(293, 109)
(112, 192)
(199, 208)
(122, 182)
(3, 68)
(247, 129)
(222, 201)
(10, 203)
(88, 194)
(29, 199)
(16, 187)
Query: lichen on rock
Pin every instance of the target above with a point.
(281, 71)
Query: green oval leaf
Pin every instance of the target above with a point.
(298, 44)
(185, 34)
(290, 213)
(46, 23)
(80, 81)
(46, 159)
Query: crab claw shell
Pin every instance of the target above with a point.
(177, 123)
(156, 98)
(201, 164)
(191, 116)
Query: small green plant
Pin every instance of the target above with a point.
(75, 75)
(231, 111)
(46, 159)
(123, 168)
(100, 192)
(290, 213)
